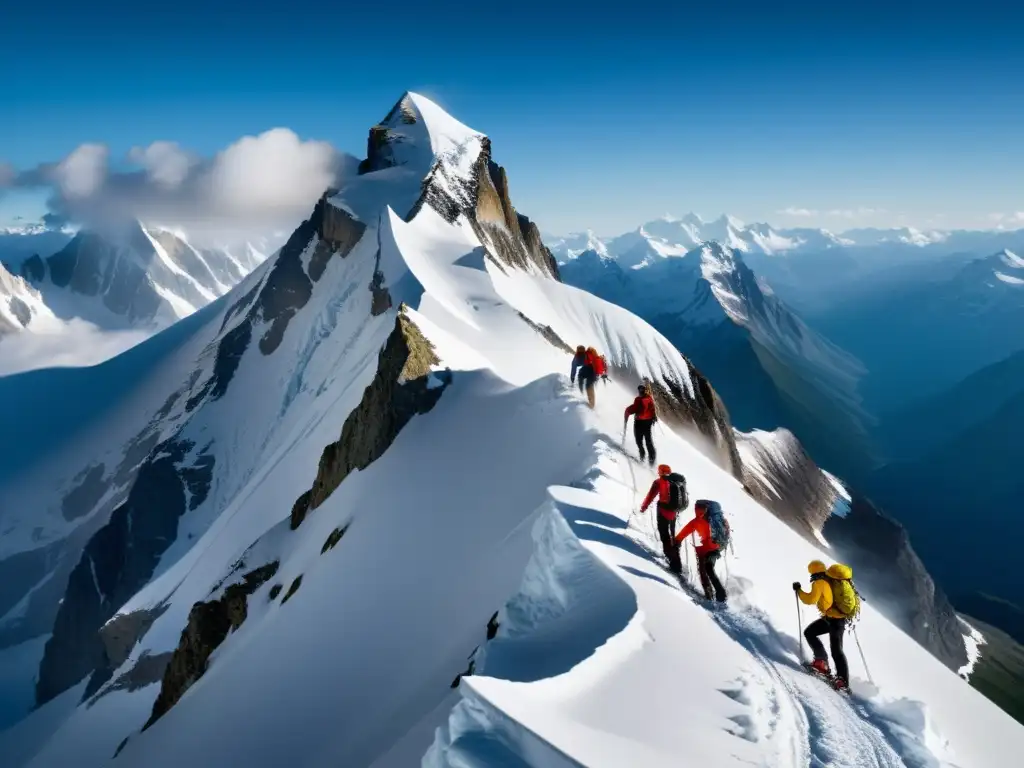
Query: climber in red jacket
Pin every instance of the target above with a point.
(707, 551)
(644, 415)
(670, 489)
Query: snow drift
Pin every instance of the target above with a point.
(376, 526)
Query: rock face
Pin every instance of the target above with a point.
(208, 625)
(403, 387)
(514, 239)
(778, 473)
(119, 559)
(893, 577)
(380, 153)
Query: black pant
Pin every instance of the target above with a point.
(708, 577)
(585, 376)
(667, 531)
(642, 433)
(834, 628)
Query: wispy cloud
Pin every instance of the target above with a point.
(267, 181)
(855, 213)
(851, 214)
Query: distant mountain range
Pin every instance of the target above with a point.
(793, 260)
(130, 276)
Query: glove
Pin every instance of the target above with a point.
(604, 376)
(796, 586)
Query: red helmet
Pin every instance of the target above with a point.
(664, 469)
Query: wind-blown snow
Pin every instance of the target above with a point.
(509, 496)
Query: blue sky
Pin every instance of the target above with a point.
(604, 116)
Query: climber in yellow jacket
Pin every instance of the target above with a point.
(833, 593)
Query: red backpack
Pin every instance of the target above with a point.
(600, 367)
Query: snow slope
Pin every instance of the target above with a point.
(372, 604)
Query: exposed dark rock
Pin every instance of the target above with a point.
(300, 509)
(469, 671)
(121, 746)
(117, 561)
(20, 310)
(208, 626)
(275, 591)
(288, 288)
(33, 269)
(380, 152)
(789, 484)
(492, 626)
(548, 333)
(401, 389)
(333, 539)
(90, 488)
(148, 669)
(243, 304)
(292, 589)
(381, 297)
(338, 232)
(515, 241)
(894, 579)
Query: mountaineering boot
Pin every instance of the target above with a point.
(841, 685)
(819, 666)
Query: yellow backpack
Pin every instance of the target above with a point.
(845, 597)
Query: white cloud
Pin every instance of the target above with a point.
(166, 163)
(272, 172)
(257, 184)
(82, 173)
(798, 212)
(74, 345)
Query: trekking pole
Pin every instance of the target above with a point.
(864, 660)
(800, 626)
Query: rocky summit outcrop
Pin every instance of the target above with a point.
(380, 145)
(894, 579)
(208, 626)
(404, 385)
(513, 239)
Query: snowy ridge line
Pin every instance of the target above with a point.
(478, 720)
